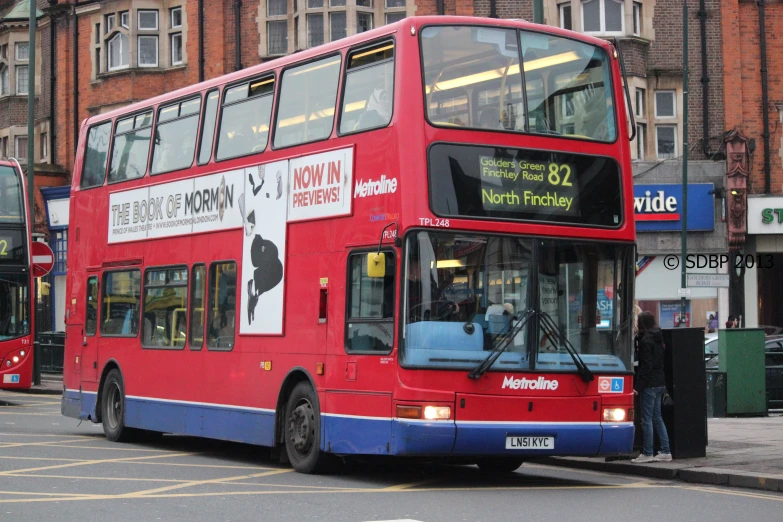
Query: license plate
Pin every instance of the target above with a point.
(530, 443)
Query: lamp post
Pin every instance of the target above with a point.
(684, 234)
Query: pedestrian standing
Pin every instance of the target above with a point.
(650, 385)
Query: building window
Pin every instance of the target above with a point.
(4, 90)
(21, 148)
(665, 106)
(336, 3)
(4, 51)
(119, 52)
(176, 49)
(276, 7)
(176, 17)
(363, 22)
(666, 141)
(315, 4)
(315, 30)
(640, 96)
(337, 28)
(565, 16)
(22, 79)
(4, 147)
(60, 250)
(277, 37)
(44, 145)
(641, 139)
(364, 3)
(602, 16)
(148, 51)
(109, 23)
(637, 19)
(394, 3)
(125, 19)
(394, 17)
(148, 20)
(22, 51)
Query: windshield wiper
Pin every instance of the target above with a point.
(552, 331)
(501, 342)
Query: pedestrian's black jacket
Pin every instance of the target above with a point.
(649, 373)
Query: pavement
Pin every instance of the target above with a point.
(742, 452)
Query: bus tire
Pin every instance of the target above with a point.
(499, 464)
(113, 408)
(302, 431)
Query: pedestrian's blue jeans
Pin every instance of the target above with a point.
(651, 416)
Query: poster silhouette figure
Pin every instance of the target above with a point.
(267, 275)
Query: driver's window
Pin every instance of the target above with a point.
(370, 309)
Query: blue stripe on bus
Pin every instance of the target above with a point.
(353, 435)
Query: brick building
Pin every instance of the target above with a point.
(753, 46)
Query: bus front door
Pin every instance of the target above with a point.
(88, 339)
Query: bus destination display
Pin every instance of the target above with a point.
(524, 185)
(11, 247)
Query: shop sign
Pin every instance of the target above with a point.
(765, 215)
(658, 208)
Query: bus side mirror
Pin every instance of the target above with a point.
(376, 264)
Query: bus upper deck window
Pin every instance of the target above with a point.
(95, 155)
(369, 87)
(308, 94)
(131, 147)
(208, 127)
(175, 136)
(244, 124)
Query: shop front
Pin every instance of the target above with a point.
(763, 260)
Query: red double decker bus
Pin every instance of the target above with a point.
(417, 241)
(16, 281)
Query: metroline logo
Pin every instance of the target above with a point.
(374, 188)
(658, 208)
(529, 384)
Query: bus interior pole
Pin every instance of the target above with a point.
(30, 169)
(683, 278)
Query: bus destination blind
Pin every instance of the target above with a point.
(530, 186)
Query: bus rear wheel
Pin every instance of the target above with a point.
(113, 409)
(303, 432)
(499, 465)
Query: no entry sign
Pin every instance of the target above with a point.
(43, 259)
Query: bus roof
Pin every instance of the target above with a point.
(314, 52)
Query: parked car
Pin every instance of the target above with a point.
(710, 345)
(773, 361)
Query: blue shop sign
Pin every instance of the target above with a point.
(658, 207)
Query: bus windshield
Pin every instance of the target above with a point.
(10, 196)
(14, 321)
(472, 79)
(466, 293)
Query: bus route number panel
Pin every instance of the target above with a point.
(524, 185)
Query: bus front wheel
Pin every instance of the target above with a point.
(113, 408)
(303, 432)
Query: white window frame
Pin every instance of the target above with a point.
(676, 139)
(4, 51)
(17, 149)
(110, 22)
(138, 50)
(386, 5)
(171, 15)
(16, 51)
(338, 12)
(16, 72)
(602, 18)
(641, 136)
(560, 9)
(641, 94)
(172, 36)
(125, 19)
(44, 145)
(393, 13)
(674, 104)
(307, 5)
(138, 20)
(637, 18)
(364, 6)
(117, 36)
(366, 13)
(5, 74)
(269, 35)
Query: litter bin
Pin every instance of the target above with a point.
(716, 394)
(686, 420)
(51, 351)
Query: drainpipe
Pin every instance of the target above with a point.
(705, 82)
(200, 40)
(52, 83)
(237, 35)
(493, 9)
(764, 94)
(442, 8)
(75, 94)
